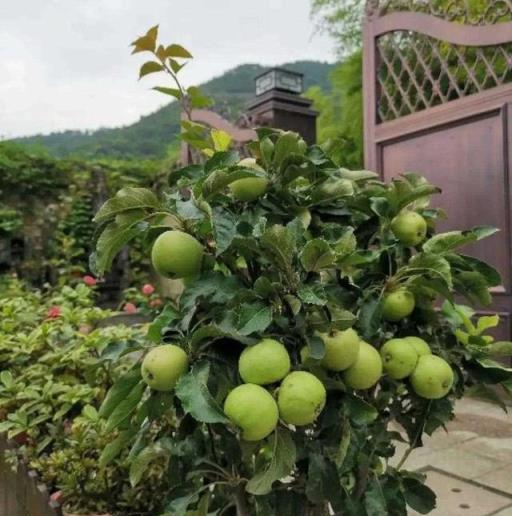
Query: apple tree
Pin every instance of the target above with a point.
(318, 327)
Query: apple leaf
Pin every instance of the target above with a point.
(192, 390)
(150, 67)
(119, 391)
(115, 447)
(316, 255)
(500, 348)
(167, 316)
(141, 462)
(126, 407)
(253, 318)
(224, 227)
(418, 496)
(359, 411)
(312, 295)
(173, 92)
(446, 242)
(221, 139)
(112, 239)
(281, 463)
(127, 199)
(175, 50)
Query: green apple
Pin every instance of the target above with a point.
(249, 189)
(341, 349)
(366, 371)
(163, 366)
(301, 398)
(409, 227)
(399, 358)
(421, 347)
(253, 409)
(176, 254)
(397, 305)
(433, 377)
(264, 363)
(304, 215)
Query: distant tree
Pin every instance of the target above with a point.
(340, 123)
(342, 20)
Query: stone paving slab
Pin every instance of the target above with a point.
(470, 467)
(459, 497)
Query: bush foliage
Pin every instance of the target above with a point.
(315, 254)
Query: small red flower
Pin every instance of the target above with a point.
(54, 312)
(155, 302)
(90, 280)
(148, 289)
(130, 308)
(56, 496)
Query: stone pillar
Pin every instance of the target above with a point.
(278, 104)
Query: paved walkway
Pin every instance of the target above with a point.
(470, 468)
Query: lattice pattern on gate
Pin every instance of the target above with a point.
(416, 71)
(468, 12)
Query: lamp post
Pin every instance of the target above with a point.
(278, 103)
(279, 79)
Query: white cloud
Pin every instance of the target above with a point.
(65, 64)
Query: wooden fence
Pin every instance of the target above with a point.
(22, 493)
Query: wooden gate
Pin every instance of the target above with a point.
(438, 101)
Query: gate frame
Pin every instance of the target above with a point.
(496, 101)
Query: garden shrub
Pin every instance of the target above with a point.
(56, 366)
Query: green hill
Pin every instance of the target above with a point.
(151, 136)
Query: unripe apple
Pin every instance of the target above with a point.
(421, 347)
(433, 377)
(341, 349)
(366, 371)
(176, 254)
(163, 366)
(301, 398)
(264, 363)
(397, 305)
(399, 358)
(249, 188)
(253, 409)
(409, 227)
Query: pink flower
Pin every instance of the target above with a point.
(148, 289)
(130, 308)
(56, 496)
(54, 312)
(90, 280)
(155, 302)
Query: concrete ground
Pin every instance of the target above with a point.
(470, 467)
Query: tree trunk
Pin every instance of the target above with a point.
(241, 502)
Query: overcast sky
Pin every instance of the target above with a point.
(65, 64)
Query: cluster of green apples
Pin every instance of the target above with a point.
(430, 376)
(178, 255)
(410, 229)
(358, 361)
(300, 397)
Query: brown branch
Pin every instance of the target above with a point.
(242, 509)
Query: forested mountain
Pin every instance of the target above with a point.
(153, 135)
